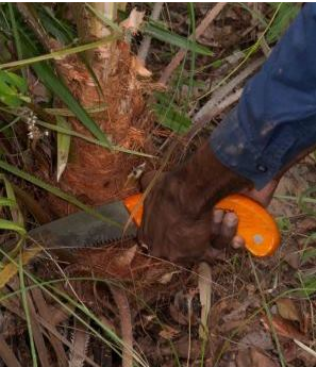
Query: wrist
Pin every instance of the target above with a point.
(204, 180)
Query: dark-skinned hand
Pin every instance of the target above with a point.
(179, 223)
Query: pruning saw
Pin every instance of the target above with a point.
(82, 230)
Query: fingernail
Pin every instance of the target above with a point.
(218, 215)
(238, 242)
(230, 220)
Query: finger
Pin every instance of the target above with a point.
(227, 231)
(216, 222)
(238, 242)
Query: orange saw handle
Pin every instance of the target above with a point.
(255, 224)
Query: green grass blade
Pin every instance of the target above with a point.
(27, 311)
(7, 202)
(15, 209)
(91, 140)
(65, 112)
(156, 31)
(60, 30)
(55, 191)
(63, 146)
(191, 11)
(16, 35)
(11, 226)
(307, 198)
(58, 54)
(52, 82)
(170, 116)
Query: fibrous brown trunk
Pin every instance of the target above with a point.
(93, 174)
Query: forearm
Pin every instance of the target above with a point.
(275, 121)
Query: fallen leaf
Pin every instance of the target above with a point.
(238, 312)
(79, 346)
(252, 357)
(288, 310)
(168, 332)
(177, 315)
(293, 352)
(10, 270)
(181, 348)
(283, 327)
(259, 339)
(166, 278)
(205, 282)
(293, 259)
(261, 360)
(307, 353)
(125, 259)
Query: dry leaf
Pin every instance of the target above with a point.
(293, 259)
(259, 339)
(139, 68)
(293, 352)
(205, 281)
(134, 21)
(79, 346)
(125, 259)
(166, 278)
(308, 352)
(177, 315)
(261, 360)
(10, 270)
(283, 328)
(288, 310)
(168, 332)
(254, 358)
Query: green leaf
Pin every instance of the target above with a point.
(55, 191)
(309, 253)
(16, 212)
(11, 226)
(285, 16)
(7, 202)
(63, 146)
(169, 116)
(309, 286)
(12, 88)
(52, 82)
(56, 54)
(307, 201)
(156, 31)
(59, 29)
(14, 80)
(91, 140)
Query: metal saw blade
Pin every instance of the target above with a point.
(82, 230)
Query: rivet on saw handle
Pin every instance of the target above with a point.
(257, 227)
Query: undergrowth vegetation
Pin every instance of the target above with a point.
(89, 95)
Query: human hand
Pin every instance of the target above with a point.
(179, 223)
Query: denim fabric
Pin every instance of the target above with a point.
(275, 119)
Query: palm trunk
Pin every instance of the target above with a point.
(94, 174)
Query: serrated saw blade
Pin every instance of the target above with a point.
(82, 230)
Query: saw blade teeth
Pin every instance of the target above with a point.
(101, 241)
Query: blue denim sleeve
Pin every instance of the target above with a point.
(275, 119)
